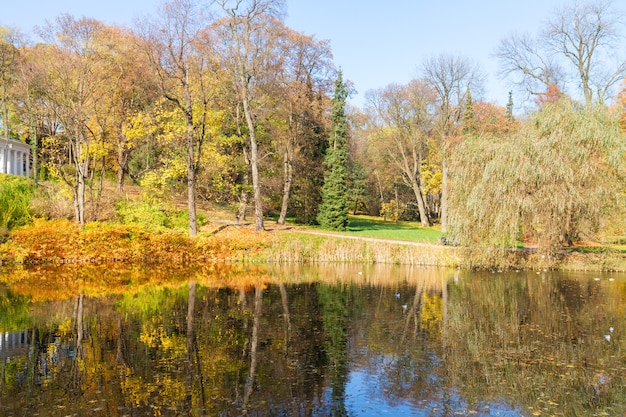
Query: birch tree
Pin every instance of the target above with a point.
(249, 41)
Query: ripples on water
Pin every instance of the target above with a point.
(344, 341)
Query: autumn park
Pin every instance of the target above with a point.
(195, 220)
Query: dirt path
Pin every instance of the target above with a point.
(274, 227)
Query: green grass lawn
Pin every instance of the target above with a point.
(368, 226)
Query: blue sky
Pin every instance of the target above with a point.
(376, 43)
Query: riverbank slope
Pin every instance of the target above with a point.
(62, 241)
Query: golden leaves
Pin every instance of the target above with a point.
(103, 258)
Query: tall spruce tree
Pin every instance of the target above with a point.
(333, 212)
(469, 116)
(509, 106)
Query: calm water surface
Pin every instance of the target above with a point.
(310, 341)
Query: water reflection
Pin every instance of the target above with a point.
(343, 341)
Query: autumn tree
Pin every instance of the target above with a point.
(170, 42)
(450, 77)
(487, 118)
(404, 126)
(304, 77)
(8, 56)
(527, 66)
(130, 90)
(8, 59)
(75, 74)
(357, 189)
(551, 95)
(368, 173)
(249, 42)
(30, 101)
(333, 212)
(38, 113)
(575, 51)
(561, 178)
(621, 105)
(469, 115)
(308, 168)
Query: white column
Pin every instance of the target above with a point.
(12, 161)
(3, 164)
(18, 162)
(27, 164)
(9, 161)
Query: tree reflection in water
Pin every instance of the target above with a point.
(317, 341)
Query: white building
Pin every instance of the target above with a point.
(14, 157)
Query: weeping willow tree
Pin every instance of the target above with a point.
(553, 180)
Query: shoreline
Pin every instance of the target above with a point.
(62, 243)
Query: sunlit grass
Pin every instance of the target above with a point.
(375, 227)
(600, 249)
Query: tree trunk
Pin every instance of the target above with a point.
(79, 322)
(191, 342)
(444, 191)
(243, 203)
(412, 177)
(191, 168)
(286, 315)
(254, 161)
(191, 187)
(421, 205)
(243, 196)
(254, 343)
(80, 157)
(122, 163)
(287, 172)
(80, 191)
(120, 177)
(82, 166)
(5, 112)
(33, 139)
(288, 178)
(191, 308)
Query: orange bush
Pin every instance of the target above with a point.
(62, 241)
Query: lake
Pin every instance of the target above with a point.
(231, 340)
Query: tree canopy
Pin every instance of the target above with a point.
(550, 182)
(333, 212)
(223, 103)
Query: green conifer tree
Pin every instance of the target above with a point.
(468, 115)
(509, 106)
(333, 212)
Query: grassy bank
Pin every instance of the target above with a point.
(62, 242)
(368, 226)
(311, 248)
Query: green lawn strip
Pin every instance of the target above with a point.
(366, 226)
(599, 249)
